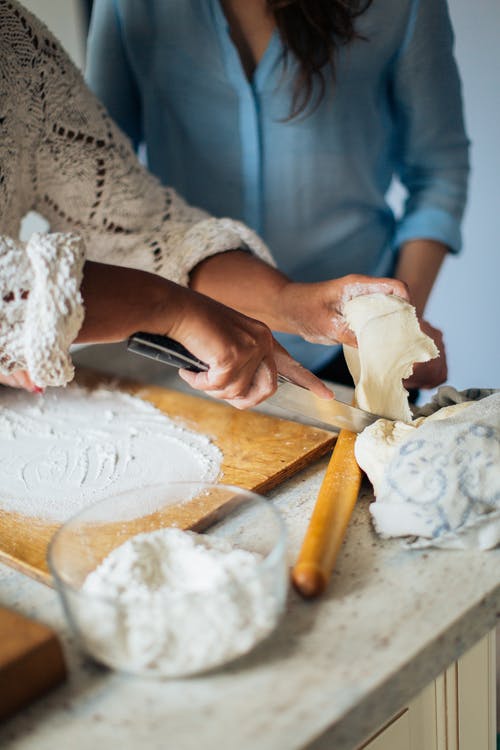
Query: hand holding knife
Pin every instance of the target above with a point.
(295, 400)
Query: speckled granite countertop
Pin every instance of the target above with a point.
(391, 621)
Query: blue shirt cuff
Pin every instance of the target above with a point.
(430, 224)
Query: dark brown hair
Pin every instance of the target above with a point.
(312, 31)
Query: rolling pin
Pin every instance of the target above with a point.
(332, 512)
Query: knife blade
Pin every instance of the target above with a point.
(297, 402)
(300, 403)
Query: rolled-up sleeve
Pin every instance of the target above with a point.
(433, 147)
(108, 71)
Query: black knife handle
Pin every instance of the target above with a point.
(166, 350)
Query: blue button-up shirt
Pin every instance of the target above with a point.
(314, 187)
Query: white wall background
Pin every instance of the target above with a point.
(466, 300)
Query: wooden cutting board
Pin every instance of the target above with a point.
(31, 661)
(259, 452)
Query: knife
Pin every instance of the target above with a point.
(298, 402)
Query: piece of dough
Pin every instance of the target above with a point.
(377, 445)
(390, 341)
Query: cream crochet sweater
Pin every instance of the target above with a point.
(62, 156)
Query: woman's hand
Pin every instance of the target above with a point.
(20, 379)
(315, 311)
(242, 356)
(434, 372)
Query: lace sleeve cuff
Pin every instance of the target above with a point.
(41, 305)
(54, 308)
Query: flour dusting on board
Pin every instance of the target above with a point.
(70, 447)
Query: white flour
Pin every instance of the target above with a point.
(70, 447)
(177, 603)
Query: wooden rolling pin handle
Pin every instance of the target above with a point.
(309, 580)
(332, 512)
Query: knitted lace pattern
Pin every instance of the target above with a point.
(62, 156)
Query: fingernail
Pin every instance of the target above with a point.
(37, 389)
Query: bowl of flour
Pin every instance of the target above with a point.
(150, 589)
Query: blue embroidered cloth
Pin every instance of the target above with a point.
(440, 481)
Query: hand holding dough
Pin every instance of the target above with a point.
(389, 343)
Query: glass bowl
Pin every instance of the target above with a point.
(200, 618)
